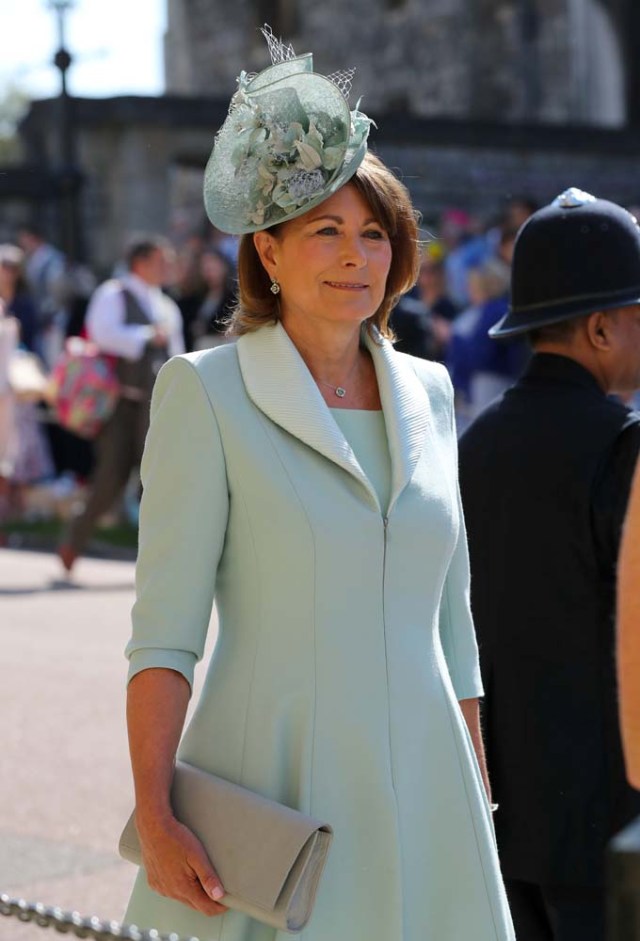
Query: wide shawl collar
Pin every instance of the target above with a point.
(279, 383)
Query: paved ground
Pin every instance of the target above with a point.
(65, 787)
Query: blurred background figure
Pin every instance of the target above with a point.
(45, 449)
(481, 369)
(432, 285)
(188, 286)
(79, 284)
(505, 246)
(9, 333)
(466, 248)
(45, 273)
(27, 443)
(227, 245)
(517, 211)
(133, 320)
(14, 294)
(410, 323)
(422, 321)
(207, 323)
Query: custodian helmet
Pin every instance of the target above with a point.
(577, 255)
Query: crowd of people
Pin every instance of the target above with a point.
(462, 289)
(44, 300)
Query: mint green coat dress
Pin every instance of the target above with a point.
(345, 635)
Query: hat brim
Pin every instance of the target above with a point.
(518, 323)
(279, 71)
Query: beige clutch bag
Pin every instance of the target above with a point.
(269, 857)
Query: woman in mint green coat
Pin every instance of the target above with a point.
(305, 478)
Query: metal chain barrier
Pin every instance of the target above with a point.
(46, 916)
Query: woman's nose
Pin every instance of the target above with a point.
(353, 252)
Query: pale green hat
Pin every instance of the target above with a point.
(288, 143)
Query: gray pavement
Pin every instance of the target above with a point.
(65, 784)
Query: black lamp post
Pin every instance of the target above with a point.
(68, 175)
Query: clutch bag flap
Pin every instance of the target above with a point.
(268, 856)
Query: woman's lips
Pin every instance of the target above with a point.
(346, 285)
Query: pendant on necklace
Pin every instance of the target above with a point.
(340, 392)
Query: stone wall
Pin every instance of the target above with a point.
(142, 160)
(474, 101)
(481, 178)
(478, 59)
(132, 153)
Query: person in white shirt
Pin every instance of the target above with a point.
(131, 319)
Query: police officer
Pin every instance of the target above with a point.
(545, 475)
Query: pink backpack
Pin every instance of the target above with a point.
(85, 387)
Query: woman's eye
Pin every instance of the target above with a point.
(374, 234)
(328, 230)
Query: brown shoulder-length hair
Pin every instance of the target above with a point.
(391, 205)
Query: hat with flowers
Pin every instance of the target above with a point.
(288, 142)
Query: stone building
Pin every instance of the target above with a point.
(558, 61)
(475, 100)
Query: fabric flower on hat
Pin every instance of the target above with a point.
(288, 164)
(296, 185)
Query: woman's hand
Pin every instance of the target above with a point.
(178, 867)
(471, 711)
(175, 860)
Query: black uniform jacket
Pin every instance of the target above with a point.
(545, 475)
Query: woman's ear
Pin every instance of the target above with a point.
(266, 247)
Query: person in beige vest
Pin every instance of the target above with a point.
(629, 636)
(132, 319)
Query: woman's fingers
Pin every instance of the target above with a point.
(206, 875)
(211, 884)
(178, 867)
(195, 897)
(198, 899)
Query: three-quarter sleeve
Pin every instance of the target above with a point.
(183, 519)
(457, 632)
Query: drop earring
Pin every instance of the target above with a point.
(275, 286)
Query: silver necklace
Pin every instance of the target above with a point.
(340, 391)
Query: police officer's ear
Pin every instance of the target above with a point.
(598, 327)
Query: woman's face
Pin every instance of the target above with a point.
(332, 263)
